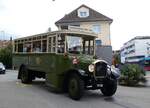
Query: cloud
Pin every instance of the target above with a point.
(2, 7)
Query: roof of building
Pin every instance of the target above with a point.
(138, 38)
(141, 37)
(93, 16)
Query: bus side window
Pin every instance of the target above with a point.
(61, 44)
(53, 44)
(44, 45)
(88, 47)
(27, 47)
(37, 46)
(20, 47)
(15, 48)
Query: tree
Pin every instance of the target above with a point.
(116, 59)
(6, 56)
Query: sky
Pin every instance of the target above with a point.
(27, 17)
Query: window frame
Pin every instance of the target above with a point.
(83, 14)
(94, 28)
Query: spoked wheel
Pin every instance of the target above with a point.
(109, 87)
(75, 87)
(25, 75)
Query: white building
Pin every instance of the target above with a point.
(135, 49)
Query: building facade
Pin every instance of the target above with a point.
(4, 43)
(135, 49)
(87, 18)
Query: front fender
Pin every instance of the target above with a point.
(82, 72)
(115, 73)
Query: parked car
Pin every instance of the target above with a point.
(2, 68)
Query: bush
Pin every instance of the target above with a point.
(131, 75)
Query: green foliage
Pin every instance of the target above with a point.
(117, 58)
(131, 75)
(6, 56)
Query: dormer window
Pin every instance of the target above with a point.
(83, 12)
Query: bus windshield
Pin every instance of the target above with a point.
(79, 45)
(74, 44)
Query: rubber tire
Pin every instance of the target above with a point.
(75, 87)
(109, 87)
(25, 75)
(4, 72)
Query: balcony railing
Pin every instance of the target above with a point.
(75, 28)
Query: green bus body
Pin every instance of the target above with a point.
(55, 66)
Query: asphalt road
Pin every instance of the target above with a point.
(14, 94)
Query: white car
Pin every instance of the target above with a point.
(2, 68)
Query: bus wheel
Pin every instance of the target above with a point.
(75, 87)
(25, 75)
(109, 87)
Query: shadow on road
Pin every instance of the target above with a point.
(88, 94)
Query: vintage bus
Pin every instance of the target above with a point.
(66, 59)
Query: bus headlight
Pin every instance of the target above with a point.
(91, 68)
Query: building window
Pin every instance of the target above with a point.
(98, 42)
(96, 29)
(83, 14)
(135, 57)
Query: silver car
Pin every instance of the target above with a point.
(2, 68)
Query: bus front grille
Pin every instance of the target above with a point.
(100, 69)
